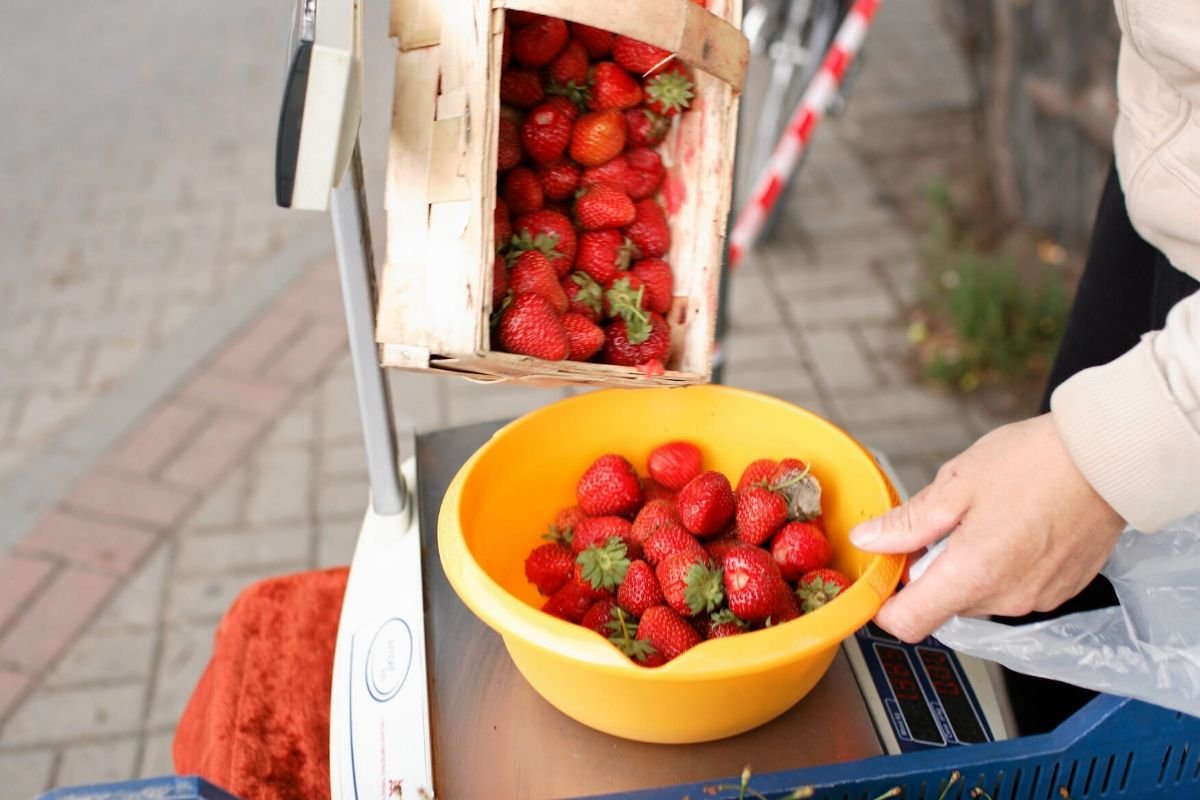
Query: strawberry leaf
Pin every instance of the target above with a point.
(726, 615)
(671, 90)
(705, 588)
(561, 535)
(590, 294)
(604, 566)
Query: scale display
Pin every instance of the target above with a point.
(922, 692)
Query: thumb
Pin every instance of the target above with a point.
(928, 516)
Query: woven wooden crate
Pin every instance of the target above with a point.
(435, 286)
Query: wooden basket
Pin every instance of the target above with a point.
(435, 286)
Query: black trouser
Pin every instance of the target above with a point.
(1126, 289)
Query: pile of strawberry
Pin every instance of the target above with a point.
(656, 565)
(580, 236)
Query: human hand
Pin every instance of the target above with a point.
(1026, 532)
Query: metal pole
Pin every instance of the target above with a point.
(352, 241)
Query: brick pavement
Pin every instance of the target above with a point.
(253, 465)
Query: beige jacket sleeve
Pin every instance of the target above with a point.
(1132, 426)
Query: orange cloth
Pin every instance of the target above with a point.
(257, 723)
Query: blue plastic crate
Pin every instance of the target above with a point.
(168, 787)
(1113, 747)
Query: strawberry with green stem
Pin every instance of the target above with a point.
(690, 583)
(645, 128)
(800, 547)
(640, 590)
(668, 632)
(598, 137)
(670, 89)
(649, 231)
(622, 632)
(706, 503)
(549, 566)
(583, 294)
(529, 325)
(818, 587)
(794, 480)
(655, 274)
(603, 207)
(637, 56)
(603, 566)
(760, 513)
(612, 87)
(598, 530)
(609, 486)
(585, 336)
(538, 43)
(668, 541)
(645, 172)
(546, 230)
(533, 272)
(634, 343)
(603, 255)
(546, 132)
(751, 580)
(757, 472)
(653, 517)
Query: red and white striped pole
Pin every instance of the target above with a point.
(813, 105)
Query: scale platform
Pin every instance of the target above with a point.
(491, 735)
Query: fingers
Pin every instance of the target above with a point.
(924, 605)
(928, 516)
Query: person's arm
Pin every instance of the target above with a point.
(1033, 509)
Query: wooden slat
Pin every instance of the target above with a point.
(415, 23)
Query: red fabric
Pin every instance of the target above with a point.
(257, 723)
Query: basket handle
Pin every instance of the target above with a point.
(700, 38)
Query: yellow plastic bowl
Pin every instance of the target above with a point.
(503, 498)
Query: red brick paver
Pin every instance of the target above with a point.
(311, 354)
(19, 579)
(53, 619)
(249, 353)
(215, 451)
(12, 685)
(134, 499)
(147, 449)
(235, 393)
(112, 547)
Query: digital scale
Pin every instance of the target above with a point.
(425, 698)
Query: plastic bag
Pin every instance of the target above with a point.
(1148, 647)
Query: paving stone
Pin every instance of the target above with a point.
(786, 381)
(46, 412)
(187, 648)
(25, 774)
(137, 604)
(282, 486)
(156, 440)
(53, 619)
(298, 426)
(867, 303)
(20, 578)
(253, 395)
(894, 404)
(105, 656)
(914, 475)
(752, 302)
(111, 362)
(99, 762)
(341, 461)
(75, 715)
(138, 500)
(157, 759)
(342, 499)
(214, 451)
(418, 400)
(13, 685)
(336, 540)
(251, 351)
(245, 550)
(223, 506)
(934, 441)
(206, 598)
(310, 354)
(748, 347)
(467, 402)
(111, 547)
(839, 360)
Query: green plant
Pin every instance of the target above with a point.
(984, 320)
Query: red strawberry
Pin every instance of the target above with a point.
(646, 172)
(637, 57)
(499, 281)
(508, 145)
(649, 231)
(690, 583)
(583, 294)
(623, 297)
(516, 19)
(612, 87)
(598, 616)
(667, 632)
(523, 191)
(760, 513)
(602, 566)
(817, 587)
(670, 90)
(798, 548)
(721, 624)
(567, 106)
(586, 337)
(717, 548)
(547, 230)
(705, 503)
(674, 464)
(751, 580)
(597, 42)
(654, 516)
(646, 129)
(655, 274)
(567, 519)
(549, 566)
(603, 255)
(533, 272)
(521, 88)
(530, 326)
(667, 541)
(537, 44)
(609, 486)
(614, 172)
(503, 225)
(787, 608)
(598, 136)
(603, 207)
(546, 133)
(757, 472)
(559, 179)
(570, 66)
(633, 344)
(640, 590)
(653, 490)
(570, 602)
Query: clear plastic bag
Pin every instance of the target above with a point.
(1147, 648)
